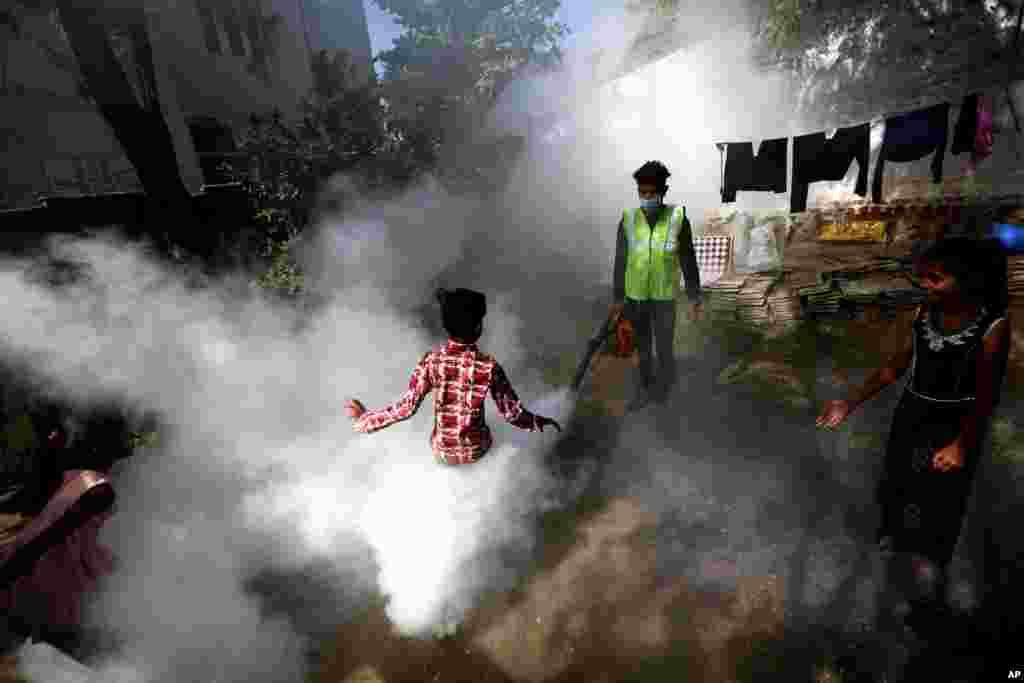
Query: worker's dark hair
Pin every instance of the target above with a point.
(979, 266)
(654, 173)
(462, 312)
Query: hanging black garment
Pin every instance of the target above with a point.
(816, 157)
(966, 129)
(765, 172)
(909, 137)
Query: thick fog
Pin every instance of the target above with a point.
(258, 471)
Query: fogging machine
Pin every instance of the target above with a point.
(610, 326)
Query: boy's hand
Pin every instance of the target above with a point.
(543, 422)
(355, 409)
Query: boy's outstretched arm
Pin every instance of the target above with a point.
(511, 408)
(367, 421)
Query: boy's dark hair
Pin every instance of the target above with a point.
(462, 311)
(653, 173)
(979, 266)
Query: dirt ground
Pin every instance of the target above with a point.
(601, 614)
(600, 607)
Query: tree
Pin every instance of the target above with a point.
(860, 59)
(452, 62)
(343, 116)
(854, 59)
(524, 26)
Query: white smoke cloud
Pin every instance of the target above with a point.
(257, 468)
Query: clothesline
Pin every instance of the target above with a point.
(878, 119)
(907, 137)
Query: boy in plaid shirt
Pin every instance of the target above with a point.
(461, 377)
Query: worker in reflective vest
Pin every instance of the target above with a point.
(654, 244)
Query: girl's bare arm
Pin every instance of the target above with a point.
(891, 371)
(987, 382)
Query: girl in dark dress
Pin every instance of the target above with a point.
(956, 356)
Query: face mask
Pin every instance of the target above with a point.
(650, 203)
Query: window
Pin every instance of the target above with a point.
(128, 42)
(256, 31)
(209, 21)
(233, 29)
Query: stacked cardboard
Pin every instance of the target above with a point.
(821, 298)
(784, 298)
(1015, 272)
(721, 295)
(752, 298)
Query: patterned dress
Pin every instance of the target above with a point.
(922, 507)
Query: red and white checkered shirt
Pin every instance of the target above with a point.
(460, 376)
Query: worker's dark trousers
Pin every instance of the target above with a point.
(654, 325)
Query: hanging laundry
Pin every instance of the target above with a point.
(966, 126)
(913, 136)
(762, 173)
(815, 158)
(973, 131)
(983, 141)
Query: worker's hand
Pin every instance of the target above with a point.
(616, 310)
(695, 313)
(833, 414)
(543, 422)
(949, 458)
(355, 409)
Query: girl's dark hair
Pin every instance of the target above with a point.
(979, 266)
(462, 311)
(653, 172)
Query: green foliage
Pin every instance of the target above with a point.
(862, 55)
(453, 60)
(143, 439)
(867, 441)
(285, 159)
(282, 275)
(1007, 440)
(782, 27)
(20, 435)
(343, 117)
(513, 25)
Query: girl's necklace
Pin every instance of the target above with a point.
(938, 339)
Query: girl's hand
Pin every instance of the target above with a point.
(543, 422)
(949, 458)
(833, 414)
(355, 409)
(56, 439)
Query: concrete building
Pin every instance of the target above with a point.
(215, 62)
(341, 25)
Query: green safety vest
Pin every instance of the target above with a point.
(652, 267)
